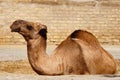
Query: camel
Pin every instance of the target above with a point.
(80, 53)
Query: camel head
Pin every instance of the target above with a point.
(29, 30)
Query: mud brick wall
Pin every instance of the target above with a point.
(101, 17)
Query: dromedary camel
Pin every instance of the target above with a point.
(79, 53)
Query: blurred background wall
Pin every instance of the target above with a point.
(62, 17)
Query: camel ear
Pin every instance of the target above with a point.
(43, 33)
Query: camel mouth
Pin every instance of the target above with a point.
(15, 30)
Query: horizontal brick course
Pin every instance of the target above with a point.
(61, 20)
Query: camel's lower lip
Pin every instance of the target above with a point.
(15, 30)
(12, 30)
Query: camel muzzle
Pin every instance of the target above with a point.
(15, 30)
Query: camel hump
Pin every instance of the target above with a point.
(75, 33)
(81, 33)
(85, 36)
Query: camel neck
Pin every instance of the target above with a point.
(37, 45)
(36, 50)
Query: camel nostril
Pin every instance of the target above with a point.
(15, 30)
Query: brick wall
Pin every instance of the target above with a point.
(101, 17)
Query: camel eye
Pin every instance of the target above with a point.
(29, 27)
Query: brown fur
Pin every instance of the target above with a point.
(80, 53)
(98, 60)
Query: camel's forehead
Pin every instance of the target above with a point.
(19, 22)
(37, 25)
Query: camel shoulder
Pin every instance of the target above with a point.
(67, 45)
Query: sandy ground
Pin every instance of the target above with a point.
(15, 66)
(8, 76)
